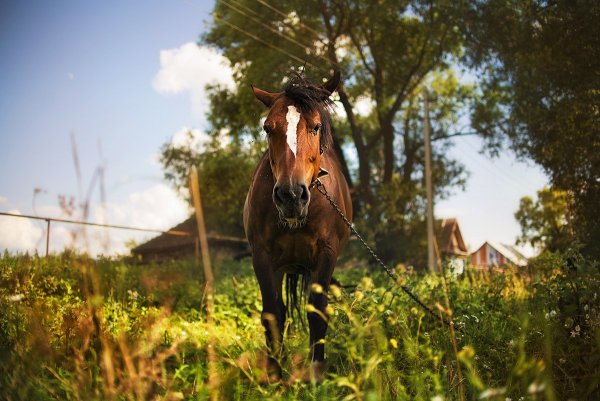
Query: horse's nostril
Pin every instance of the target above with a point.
(304, 194)
(277, 195)
(297, 194)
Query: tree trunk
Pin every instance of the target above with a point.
(387, 131)
(345, 170)
(364, 172)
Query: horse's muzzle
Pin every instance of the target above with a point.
(291, 201)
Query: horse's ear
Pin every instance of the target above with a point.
(267, 98)
(331, 85)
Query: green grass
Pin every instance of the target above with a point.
(75, 328)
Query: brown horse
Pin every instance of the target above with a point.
(292, 229)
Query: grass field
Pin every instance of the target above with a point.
(75, 328)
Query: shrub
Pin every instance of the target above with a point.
(77, 328)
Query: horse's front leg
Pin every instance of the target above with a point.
(318, 319)
(273, 312)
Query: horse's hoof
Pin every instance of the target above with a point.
(313, 374)
(269, 371)
(266, 379)
(317, 372)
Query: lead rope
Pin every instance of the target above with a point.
(321, 188)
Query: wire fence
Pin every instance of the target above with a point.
(49, 220)
(490, 270)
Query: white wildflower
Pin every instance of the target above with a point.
(536, 387)
(492, 392)
(16, 297)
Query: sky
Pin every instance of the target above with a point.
(121, 78)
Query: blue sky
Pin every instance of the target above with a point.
(125, 77)
(86, 68)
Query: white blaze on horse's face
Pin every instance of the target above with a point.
(293, 119)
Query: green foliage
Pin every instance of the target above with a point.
(224, 172)
(385, 51)
(83, 329)
(399, 215)
(540, 63)
(536, 66)
(544, 221)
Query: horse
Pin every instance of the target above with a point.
(293, 232)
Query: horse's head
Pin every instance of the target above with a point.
(298, 128)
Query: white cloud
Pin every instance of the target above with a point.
(189, 68)
(195, 139)
(190, 137)
(18, 233)
(157, 207)
(362, 107)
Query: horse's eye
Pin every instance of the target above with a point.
(316, 129)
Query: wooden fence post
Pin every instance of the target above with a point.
(47, 238)
(209, 283)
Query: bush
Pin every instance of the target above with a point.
(78, 328)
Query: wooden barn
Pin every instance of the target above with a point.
(168, 246)
(449, 239)
(451, 246)
(492, 254)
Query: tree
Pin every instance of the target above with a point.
(385, 50)
(541, 63)
(544, 220)
(224, 171)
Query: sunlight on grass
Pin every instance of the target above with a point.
(84, 329)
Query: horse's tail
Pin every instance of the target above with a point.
(295, 296)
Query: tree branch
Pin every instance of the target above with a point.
(360, 52)
(453, 135)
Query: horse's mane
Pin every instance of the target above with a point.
(310, 97)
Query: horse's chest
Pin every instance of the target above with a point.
(294, 253)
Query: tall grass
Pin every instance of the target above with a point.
(76, 328)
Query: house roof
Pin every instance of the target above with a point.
(510, 252)
(449, 238)
(166, 242)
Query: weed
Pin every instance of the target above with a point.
(77, 328)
